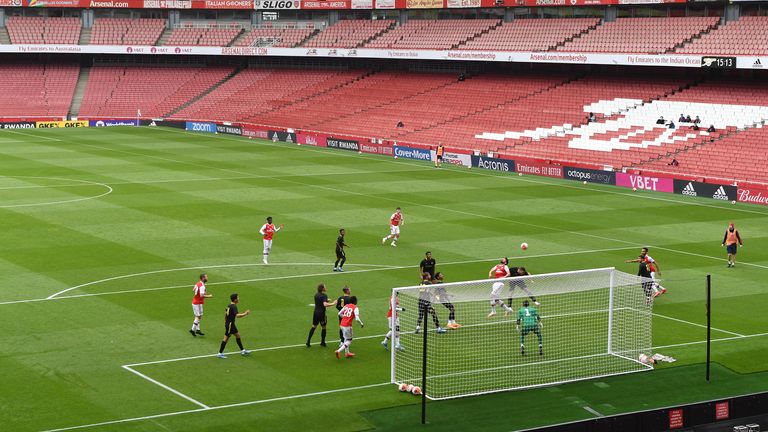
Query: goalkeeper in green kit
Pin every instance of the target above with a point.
(529, 318)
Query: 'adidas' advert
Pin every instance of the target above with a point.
(699, 189)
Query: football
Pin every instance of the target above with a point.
(416, 390)
(585, 182)
(524, 246)
(634, 189)
(403, 387)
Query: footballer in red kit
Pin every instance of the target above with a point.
(394, 335)
(349, 313)
(653, 268)
(395, 222)
(268, 230)
(500, 270)
(198, 300)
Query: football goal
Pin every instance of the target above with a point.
(547, 329)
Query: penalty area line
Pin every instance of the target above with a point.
(166, 387)
(177, 413)
(219, 407)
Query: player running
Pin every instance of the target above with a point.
(519, 283)
(341, 257)
(730, 239)
(230, 314)
(529, 317)
(653, 268)
(395, 222)
(442, 296)
(198, 300)
(319, 316)
(349, 313)
(499, 271)
(396, 334)
(268, 230)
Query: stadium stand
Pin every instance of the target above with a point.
(274, 37)
(253, 92)
(433, 34)
(38, 30)
(202, 36)
(349, 33)
(531, 34)
(123, 31)
(118, 91)
(374, 106)
(747, 36)
(641, 35)
(739, 156)
(39, 89)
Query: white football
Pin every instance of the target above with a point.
(524, 246)
(634, 189)
(585, 182)
(733, 202)
(520, 174)
(416, 390)
(403, 387)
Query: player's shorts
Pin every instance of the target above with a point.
(653, 275)
(347, 333)
(319, 318)
(440, 157)
(731, 248)
(389, 323)
(267, 244)
(528, 329)
(496, 290)
(230, 329)
(394, 229)
(340, 254)
(197, 309)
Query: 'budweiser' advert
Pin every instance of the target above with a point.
(752, 195)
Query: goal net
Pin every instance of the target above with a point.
(591, 323)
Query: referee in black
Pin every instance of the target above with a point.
(427, 266)
(230, 314)
(340, 302)
(319, 317)
(341, 257)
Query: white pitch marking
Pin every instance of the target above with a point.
(85, 183)
(199, 268)
(170, 389)
(696, 324)
(32, 135)
(240, 404)
(383, 268)
(170, 414)
(593, 411)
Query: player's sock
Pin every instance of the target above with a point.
(311, 332)
(221, 348)
(239, 343)
(323, 333)
(196, 324)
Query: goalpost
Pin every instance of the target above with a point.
(593, 323)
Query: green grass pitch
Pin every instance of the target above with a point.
(104, 233)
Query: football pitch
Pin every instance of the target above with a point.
(104, 233)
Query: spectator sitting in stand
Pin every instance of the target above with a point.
(681, 119)
(674, 162)
(591, 118)
(400, 124)
(661, 121)
(711, 128)
(688, 119)
(671, 125)
(695, 127)
(462, 77)
(697, 120)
